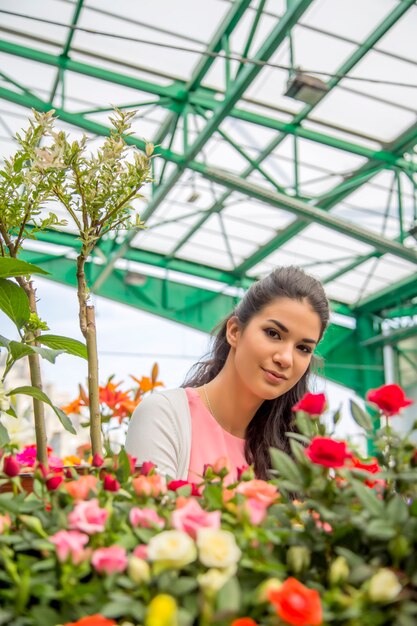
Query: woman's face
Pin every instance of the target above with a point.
(274, 350)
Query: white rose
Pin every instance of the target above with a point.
(214, 579)
(217, 548)
(138, 570)
(384, 586)
(4, 400)
(172, 548)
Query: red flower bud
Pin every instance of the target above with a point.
(10, 466)
(54, 482)
(110, 483)
(132, 461)
(176, 484)
(97, 460)
(147, 467)
(311, 403)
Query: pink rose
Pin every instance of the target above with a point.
(153, 485)
(141, 551)
(70, 543)
(112, 560)
(256, 511)
(146, 518)
(88, 517)
(259, 490)
(191, 517)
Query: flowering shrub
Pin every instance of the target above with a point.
(330, 539)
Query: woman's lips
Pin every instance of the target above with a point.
(273, 377)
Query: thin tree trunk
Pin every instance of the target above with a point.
(93, 392)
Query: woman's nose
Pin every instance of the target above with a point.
(283, 356)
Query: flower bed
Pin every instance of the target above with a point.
(330, 539)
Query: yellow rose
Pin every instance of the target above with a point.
(171, 549)
(384, 586)
(138, 570)
(162, 611)
(217, 548)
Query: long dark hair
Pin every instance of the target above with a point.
(274, 417)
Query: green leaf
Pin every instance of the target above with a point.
(46, 353)
(380, 529)
(4, 342)
(40, 395)
(286, 466)
(4, 436)
(397, 510)
(71, 346)
(123, 466)
(298, 452)
(15, 267)
(14, 302)
(183, 585)
(18, 350)
(10, 411)
(361, 417)
(229, 597)
(368, 498)
(213, 496)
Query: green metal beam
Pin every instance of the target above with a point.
(388, 297)
(393, 337)
(237, 89)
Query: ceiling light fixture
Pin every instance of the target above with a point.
(307, 88)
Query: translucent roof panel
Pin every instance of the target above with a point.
(253, 166)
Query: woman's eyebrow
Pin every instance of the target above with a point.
(285, 330)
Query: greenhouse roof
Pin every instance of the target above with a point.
(286, 131)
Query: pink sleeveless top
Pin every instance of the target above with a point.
(209, 441)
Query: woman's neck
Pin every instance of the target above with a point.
(231, 406)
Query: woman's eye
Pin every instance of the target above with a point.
(305, 349)
(273, 333)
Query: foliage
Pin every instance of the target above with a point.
(330, 539)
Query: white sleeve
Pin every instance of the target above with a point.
(153, 435)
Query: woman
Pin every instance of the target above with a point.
(238, 403)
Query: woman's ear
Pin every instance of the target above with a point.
(232, 330)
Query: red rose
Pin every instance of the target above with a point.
(93, 620)
(110, 483)
(327, 452)
(244, 621)
(296, 604)
(54, 482)
(311, 403)
(176, 484)
(389, 399)
(147, 467)
(10, 466)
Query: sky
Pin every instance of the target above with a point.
(129, 342)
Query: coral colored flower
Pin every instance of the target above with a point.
(147, 467)
(222, 464)
(5, 522)
(11, 466)
(244, 621)
(327, 452)
(191, 517)
(256, 510)
(70, 544)
(93, 620)
(110, 483)
(390, 399)
(146, 384)
(258, 490)
(311, 403)
(54, 482)
(74, 407)
(88, 517)
(173, 485)
(153, 485)
(296, 604)
(146, 518)
(111, 560)
(372, 468)
(80, 489)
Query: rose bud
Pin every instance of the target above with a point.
(147, 467)
(339, 571)
(298, 558)
(54, 482)
(110, 483)
(11, 467)
(384, 586)
(97, 460)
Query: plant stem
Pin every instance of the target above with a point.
(93, 392)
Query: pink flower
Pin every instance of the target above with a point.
(5, 522)
(88, 517)
(112, 560)
(146, 518)
(222, 465)
(191, 517)
(27, 458)
(70, 543)
(259, 490)
(153, 485)
(256, 511)
(141, 551)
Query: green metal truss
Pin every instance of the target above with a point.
(353, 356)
